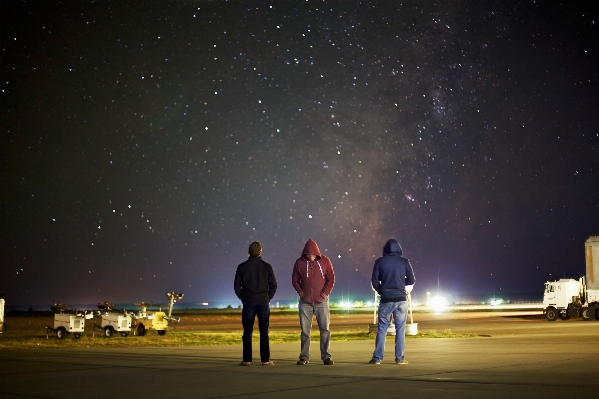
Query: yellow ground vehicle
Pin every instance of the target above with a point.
(155, 320)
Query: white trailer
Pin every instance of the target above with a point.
(68, 321)
(568, 298)
(1, 315)
(113, 320)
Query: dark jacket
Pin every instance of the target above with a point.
(392, 273)
(255, 281)
(313, 280)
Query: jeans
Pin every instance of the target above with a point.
(399, 310)
(248, 315)
(323, 318)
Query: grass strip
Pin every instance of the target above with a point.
(188, 338)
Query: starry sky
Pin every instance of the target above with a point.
(144, 145)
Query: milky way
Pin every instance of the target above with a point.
(146, 144)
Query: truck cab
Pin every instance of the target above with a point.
(562, 298)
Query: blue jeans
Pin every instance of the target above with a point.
(399, 310)
(248, 315)
(323, 318)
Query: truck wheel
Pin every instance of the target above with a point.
(161, 332)
(124, 333)
(585, 313)
(551, 313)
(60, 332)
(108, 331)
(141, 329)
(77, 335)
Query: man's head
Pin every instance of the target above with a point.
(255, 249)
(311, 251)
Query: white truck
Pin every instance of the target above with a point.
(568, 298)
(1, 315)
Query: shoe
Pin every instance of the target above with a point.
(404, 361)
(302, 362)
(267, 363)
(245, 363)
(328, 362)
(373, 361)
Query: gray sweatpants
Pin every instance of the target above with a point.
(323, 318)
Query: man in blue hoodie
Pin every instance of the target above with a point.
(392, 279)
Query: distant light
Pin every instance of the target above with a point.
(438, 303)
(205, 303)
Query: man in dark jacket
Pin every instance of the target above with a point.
(392, 279)
(313, 278)
(255, 285)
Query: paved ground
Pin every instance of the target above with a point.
(523, 357)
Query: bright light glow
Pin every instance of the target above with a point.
(439, 303)
(369, 304)
(496, 301)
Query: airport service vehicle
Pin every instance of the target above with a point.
(68, 321)
(155, 320)
(113, 320)
(568, 298)
(1, 315)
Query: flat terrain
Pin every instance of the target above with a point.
(516, 355)
(34, 324)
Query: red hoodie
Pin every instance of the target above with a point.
(313, 280)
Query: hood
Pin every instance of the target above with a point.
(392, 248)
(311, 248)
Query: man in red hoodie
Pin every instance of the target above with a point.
(313, 279)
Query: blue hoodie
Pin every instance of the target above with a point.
(392, 273)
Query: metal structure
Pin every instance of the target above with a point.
(568, 298)
(113, 320)
(155, 320)
(1, 315)
(68, 321)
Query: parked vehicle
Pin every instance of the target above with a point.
(568, 298)
(113, 320)
(1, 315)
(155, 320)
(68, 321)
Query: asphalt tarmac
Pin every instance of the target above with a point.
(518, 356)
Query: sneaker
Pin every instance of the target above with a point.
(373, 361)
(302, 362)
(328, 361)
(269, 363)
(245, 363)
(404, 361)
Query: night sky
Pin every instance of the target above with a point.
(145, 145)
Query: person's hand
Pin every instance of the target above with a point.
(409, 288)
